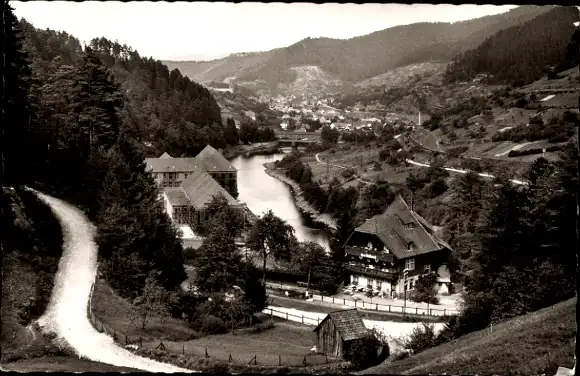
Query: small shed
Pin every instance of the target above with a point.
(338, 329)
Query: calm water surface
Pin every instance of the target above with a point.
(261, 193)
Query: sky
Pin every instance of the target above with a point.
(206, 30)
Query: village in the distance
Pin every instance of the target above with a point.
(401, 202)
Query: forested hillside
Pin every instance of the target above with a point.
(163, 108)
(76, 125)
(519, 54)
(362, 57)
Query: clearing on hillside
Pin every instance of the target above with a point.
(533, 344)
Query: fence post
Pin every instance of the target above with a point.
(325, 359)
(230, 359)
(271, 313)
(206, 354)
(333, 300)
(389, 308)
(141, 341)
(416, 310)
(286, 316)
(302, 319)
(279, 359)
(322, 297)
(430, 311)
(183, 349)
(114, 335)
(304, 361)
(343, 301)
(443, 312)
(318, 321)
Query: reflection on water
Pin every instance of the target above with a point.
(261, 193)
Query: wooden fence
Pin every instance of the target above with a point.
(191, 349)
(392, 308)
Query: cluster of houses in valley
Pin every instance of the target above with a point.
(382, 251)
(188, 184)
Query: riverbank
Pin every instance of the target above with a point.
(297, 196)
(260, 148)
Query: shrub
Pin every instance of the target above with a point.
(377, 166)
(425, 289)
(348, 173)
(210, 324)
(422, 338)
(362, 353)
(269, 324)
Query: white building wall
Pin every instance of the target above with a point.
(168, 206)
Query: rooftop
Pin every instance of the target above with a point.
(349, 324)
(399, 226)
(200, 188)
(213, 161)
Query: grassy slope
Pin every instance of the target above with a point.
(63, 364)
(291, 342)
(115, 313)
(532, 344)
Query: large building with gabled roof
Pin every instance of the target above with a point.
(189, 184)
(379, 251)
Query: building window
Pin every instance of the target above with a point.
(410, 264)
(411, 285)
(428, 268)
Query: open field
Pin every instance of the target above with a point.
(532, 344)
(115, 312)
(292, 342)
(62, 364)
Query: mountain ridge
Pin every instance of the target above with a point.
(362, 57)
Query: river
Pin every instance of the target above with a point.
(262, 192)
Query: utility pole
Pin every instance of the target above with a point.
(405, 274)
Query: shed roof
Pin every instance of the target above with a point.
(213, 161)
(200, 188)
(398, 226)
(349, 324)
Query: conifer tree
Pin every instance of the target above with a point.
(15, 105)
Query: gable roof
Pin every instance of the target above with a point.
(213, 161)
(165, 164)
(176, 196)
(349, 324)
(200, 187)
(165, 156)
(398, 226)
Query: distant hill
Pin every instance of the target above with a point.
(532, 344)
(363, 57)
(221, 69)
(520, 54)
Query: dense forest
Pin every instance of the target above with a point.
(79, 126)
(520, 54)
(164, 109)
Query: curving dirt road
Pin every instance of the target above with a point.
(66, 314)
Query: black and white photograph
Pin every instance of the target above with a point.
(276, 188)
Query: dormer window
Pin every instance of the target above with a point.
(410, 246)
(370, 245)
(410, 226)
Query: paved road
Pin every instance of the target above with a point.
(66, 314)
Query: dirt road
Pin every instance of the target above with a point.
(66, 314)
